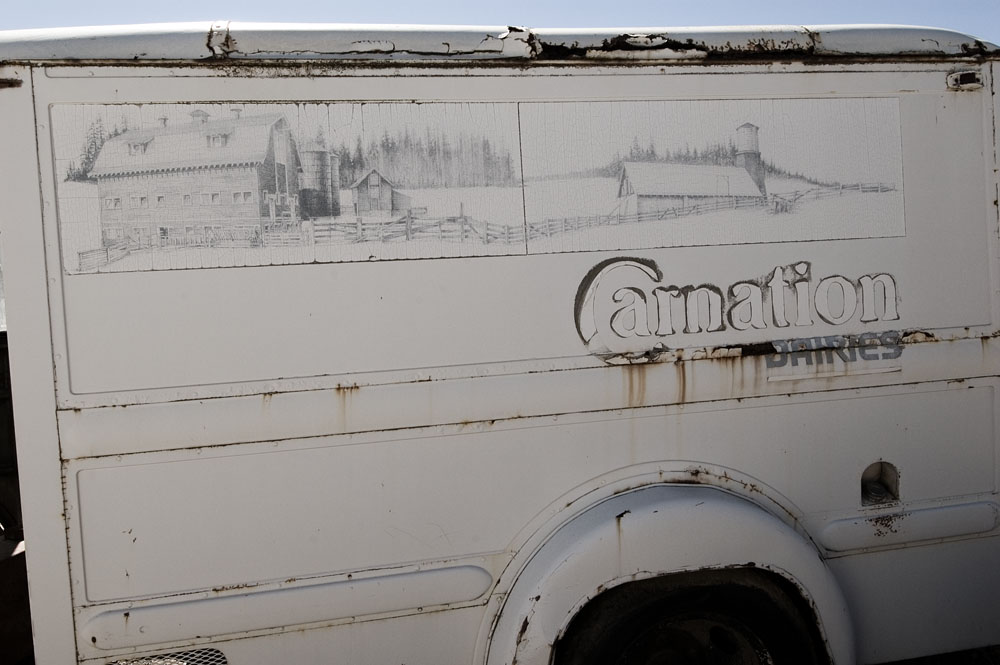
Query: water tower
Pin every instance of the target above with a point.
(748, 154)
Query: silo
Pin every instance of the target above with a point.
(319, 195)
(748, 154)
(746, 138)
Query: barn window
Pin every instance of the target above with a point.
(187, 199)
(138, 201)
(161, 200)
(113, 203)
(217, 140)
(374, 185)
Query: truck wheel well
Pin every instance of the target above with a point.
(766, 609)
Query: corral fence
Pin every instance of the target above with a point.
(410, 227)
(95, 258)
(214, 236)
(776, 203)
(552, 227)
(786, 202)
(462, 228)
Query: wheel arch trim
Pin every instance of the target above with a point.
(648, 531)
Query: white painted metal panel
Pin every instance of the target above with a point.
(30, 346)
(282, 511)
(457, 306)
(348, 446)
(910, 601)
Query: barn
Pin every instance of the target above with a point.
(645, 187)
(657, 186)
(374, 195)
(200, 182)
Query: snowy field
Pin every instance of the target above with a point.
(497, 205)
(851, 215)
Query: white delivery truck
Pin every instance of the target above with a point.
(363, 345)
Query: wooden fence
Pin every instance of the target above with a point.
(408, 227)
(93, 259)
(778, 203)
(551, 227)
(786, 202)
(460, 229)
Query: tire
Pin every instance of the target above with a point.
(732, 617)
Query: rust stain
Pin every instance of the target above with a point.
(345, 395)
(917, 337)
(618, 525)
(635, 384)
(886, 524)
(11, 83)
(523, 630)
(681, 381)
(233, 587)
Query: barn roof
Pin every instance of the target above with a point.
(368, 173)
(185, 146)
(660, 179)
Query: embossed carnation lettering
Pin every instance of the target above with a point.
(626, 306)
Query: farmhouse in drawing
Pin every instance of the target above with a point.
(374, 195)
(180, 184)
(645, 187)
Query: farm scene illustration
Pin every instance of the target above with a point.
(175, 186)
(627, 175)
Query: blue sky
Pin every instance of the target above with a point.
(978, 17)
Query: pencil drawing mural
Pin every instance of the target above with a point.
(197, 186)
(624, 175)
(175, 186)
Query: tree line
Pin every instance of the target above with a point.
(715, 154)
(431, 160)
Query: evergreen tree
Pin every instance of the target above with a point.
(91, 149)
(432, 160)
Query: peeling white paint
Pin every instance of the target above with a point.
(263, 41)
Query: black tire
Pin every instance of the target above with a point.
(731, 617)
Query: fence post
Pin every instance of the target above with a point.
(360, 230)
(409, 224)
